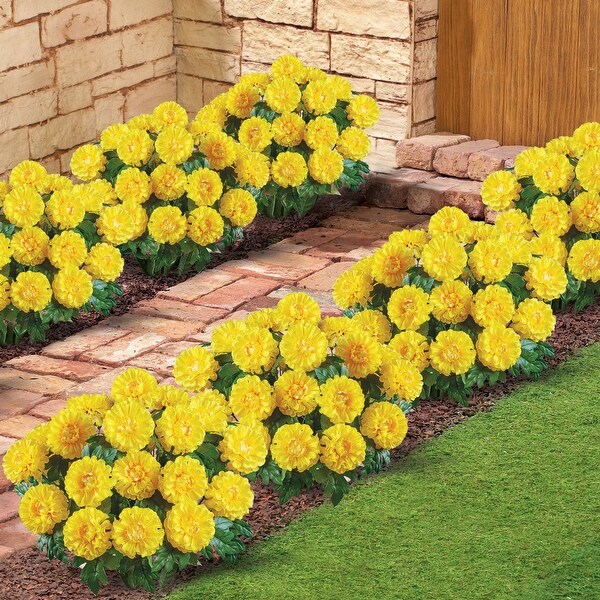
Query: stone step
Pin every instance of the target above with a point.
(419, 152)
(454, 160)
(390, 190)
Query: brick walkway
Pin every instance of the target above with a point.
(33, 388)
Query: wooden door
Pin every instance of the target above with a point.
(519, 71)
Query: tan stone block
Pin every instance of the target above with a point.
(141, 323)
(199, 10)
(323, 280)
(454, 160)
(374, 217)
(481, 164)
(116, 353)
(294, 12)
(88, 59)
(426, 30)
(394, 122)
(208, 35)
(307, 240)
(425, 61)
(74, 23)
(18, 427)
(383, 60)
(249, 66)
(21, 45)
(119, 80)
(208, 64)
(129, 12)
(145, 97)
(108, 110)
(394, 92)
(51, 164)
(391, 190)
(25, 9)
(17, 402)
(425, 9)
(148, 42)
(26, 79)
(425, 128)
(428, 197)
(25, 110)
(199, 285)
(165, 66)
(423, 101)
(178, 311)
(85, 340)
(5, 12)
(360, 85)
(382, 157)
(65, 160)
(62, 133)
(74, 98)
(189, 93)
(418, 152)
(14, 147)
(42, 384)
(264, 43)
(382, 18)
(212, 89)
(466, 195)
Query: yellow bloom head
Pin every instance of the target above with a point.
(325, 166)
(391, 262)
(239, 206)
(94, 405)
(363, 111)
(87, 533)
(546, 278)
(128, 426)
(255, 134)
(298, 307)
(498, 347)
(204, 187)
(241, 99)
(167, 225)
(229, 495)
(585, 212)
(500, 190)
(289, 169)
(183, 479)
(174, 144)
(219, 149)
(408, 307)
(534, 320)
(133, 185)
(72, 287)
(551, 215)
(373, 322)
(295, 447)
(385, 424)
(451, 302)
(351, 288)
(254, 350)
(343, 448)
(341, 400)
(88, 481)
(168, 182)
(526, 161)
(253, 169)
(87, 162)
(353, 143)
(168, 113)
(319, 97)
(322, 132)
(43, 507)
(444, 258)
(24, 459)
(68, 432)
(244, 447)
(205, 226)
(29, 173)
(296, 393)
(283, 95)
(452, 352)
(189, 527)
(23, 206)
(134, 147)
(194, 368)
(115, 225)
(68, 249)
(492, 305)
(137, 532)
(30, 291)
(553, 173)
(303, 347)
(213, 409)
(514, 221)
(288, 129)
(490, 262)
(104, 262)
(288, 65)
(30, 246)
(411, 346)
(584, 260)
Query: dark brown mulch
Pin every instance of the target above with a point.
(32, 576)
(137, 286)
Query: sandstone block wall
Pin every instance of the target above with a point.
(387, 48)
(69, 68)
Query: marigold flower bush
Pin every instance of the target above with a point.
(552, 197)
(53, 260)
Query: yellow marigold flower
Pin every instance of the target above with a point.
(104, 262)
(296, 393)
(259, 80)
(283, 95)
(168, 182)
(452, 352)
(205, 226)
(360, 352)
(319, 97)
(264, 317)
(588, 170)
(400, 378)
(4, 189)
(244, 447)
(450, 220)
(224, 334)
(194, 368)
(373, 322)
(254, 350)
(352, 288)
(289, 169)
(200, 129)
(88, 481)
(588, 135)
(133, 384)
(168, 395)
(288, 65)
(549, 245)
(29, 173)
(219, 149)
(183, 479)
(534, 320)
(518, 248)
(213, 409)
(167, 225)
(241, 99)
(498, 348)
(204, 187)
(500, 190)
(68, 431)
(546, 278)
(72, 287)
(189, 527)
(255, 134)
(325, 166)
(65, 209)
(451, 302)
(585, 212)
(322, 132)
(490, 262)
(239, 206)
(253, 169)
(137, 532)
(414, 239)
(180, 430)
(87, 533)
(252, 399)
(514, 221)
(109, 138)
(115, 226)
(295, 447)
(551, 215)
(343, 448)
(30, 291)
(298, 307)
(492, 305)
(24, 459)
(43, 507)
(38, 434)
(553, 173)
(133, 185)
(174, 144)
(413, 347)
(363, 111)
(334, 328)
(584, 260)
(408, 307)
(341, 400)
(30, 246)
(169, 113)
(87, 162)
(4, 292)
(390, 264)
(213, 113)
(23, 206)
(143, 121)
(559, 145)
(68, 249)
(385, 424)
(303, 347)
(135, 147)
(288, 129)
(128, 426)
(313, 73)
(94, 405)
(229, 495)
(353, 143)
(482, 231)
(138, 217)
(341, 87)
(526, 161)
(444, 258)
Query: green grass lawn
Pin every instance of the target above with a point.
(505, 506)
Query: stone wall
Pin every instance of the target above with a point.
(387, 48)
(69, 68)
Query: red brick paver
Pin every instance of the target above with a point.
(46, 365)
